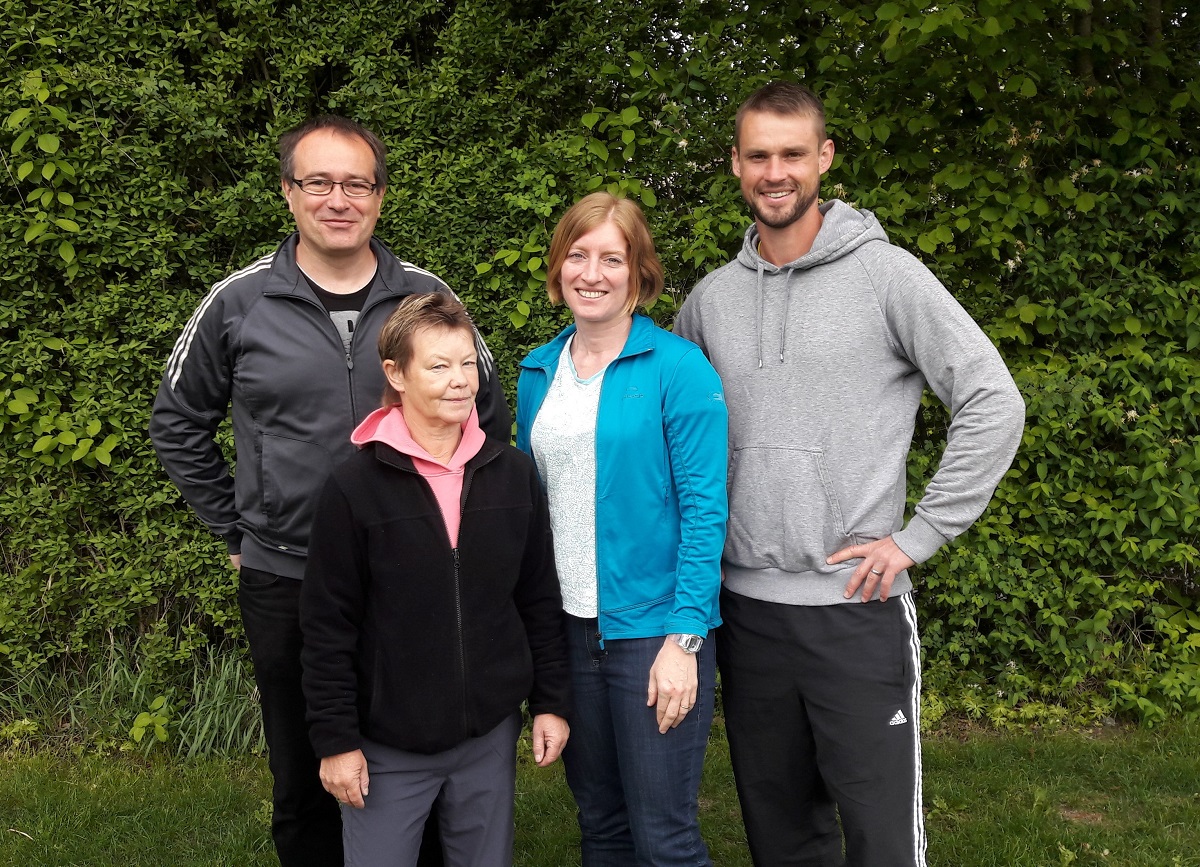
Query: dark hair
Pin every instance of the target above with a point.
(596, 209)
(336, 124)
(784, 98)
(416, 313)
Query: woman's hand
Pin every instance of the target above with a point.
(672, 685)
(345, 777)
(550, 733)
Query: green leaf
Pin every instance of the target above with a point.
(48, 142)
(66, 250)
(24, 170)
(483, 267)
(648, 198)
(589, 120)
(630, 115)
(66, 225)
(35, 231)
(597, 148)
(887, 11)
(17, 118)
(991, 27)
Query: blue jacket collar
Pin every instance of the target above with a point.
(641, 339)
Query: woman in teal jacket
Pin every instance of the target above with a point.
(627, 424)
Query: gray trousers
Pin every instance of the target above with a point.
(473, 785)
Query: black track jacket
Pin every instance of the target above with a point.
(262, 342)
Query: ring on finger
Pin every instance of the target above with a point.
(876, 572)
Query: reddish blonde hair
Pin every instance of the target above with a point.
(592, 211)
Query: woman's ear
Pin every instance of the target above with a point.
(395, 376)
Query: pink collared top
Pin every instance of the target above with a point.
(387, 425)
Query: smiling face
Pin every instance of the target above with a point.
(595, 276)
(779, 160)
(437, 387)
(335, 226)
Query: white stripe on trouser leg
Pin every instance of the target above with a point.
(914, 648)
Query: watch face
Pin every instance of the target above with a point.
(690, 643)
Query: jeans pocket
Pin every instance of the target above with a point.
(251, 579)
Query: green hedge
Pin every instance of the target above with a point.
(1040, 156)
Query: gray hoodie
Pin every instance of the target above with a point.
(824, 361)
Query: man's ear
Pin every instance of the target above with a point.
(827, 151)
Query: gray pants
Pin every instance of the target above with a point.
(473, 785)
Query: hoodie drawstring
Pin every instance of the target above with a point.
(758, 314)
(787, 300)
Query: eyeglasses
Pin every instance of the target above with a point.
(324, 186)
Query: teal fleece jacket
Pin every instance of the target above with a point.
(824, 360)
(661, 449)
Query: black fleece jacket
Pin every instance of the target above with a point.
(416, 645)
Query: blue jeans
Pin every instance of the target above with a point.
(637, 790)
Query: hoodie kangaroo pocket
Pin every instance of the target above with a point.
(783, 510)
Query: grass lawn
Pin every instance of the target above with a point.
(1113, 796)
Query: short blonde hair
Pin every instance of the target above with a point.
(592, 211)
(414, 314)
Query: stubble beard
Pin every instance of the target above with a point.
(806, 199)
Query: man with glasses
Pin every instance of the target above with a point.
(289, 343)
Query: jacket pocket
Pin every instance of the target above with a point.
(783, 510)
(293, 473)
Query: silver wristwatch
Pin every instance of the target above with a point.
(689, 643)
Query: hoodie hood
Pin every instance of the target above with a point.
(843, 230)
(386, 425)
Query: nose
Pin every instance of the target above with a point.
(337, 198)
(591, 270)
(774, 169)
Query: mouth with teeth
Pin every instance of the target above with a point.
(591, 294)
(777, 194)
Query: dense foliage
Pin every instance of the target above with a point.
(1041, 157)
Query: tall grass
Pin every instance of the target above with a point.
(91, 705)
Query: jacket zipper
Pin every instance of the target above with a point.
(468, 477)
(462, 652)
(596, 499)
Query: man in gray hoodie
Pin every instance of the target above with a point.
(825, 336)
